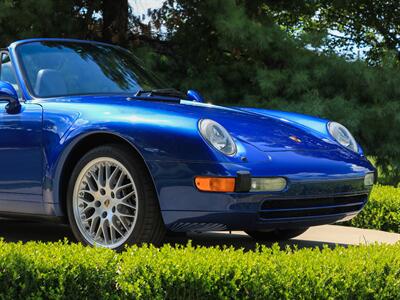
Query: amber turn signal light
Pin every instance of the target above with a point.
(216, 184)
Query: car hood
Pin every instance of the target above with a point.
(267, 133)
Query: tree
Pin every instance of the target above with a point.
(115, 21)
(340, 26)
(23, 19)
(374, 24)
(105, 20)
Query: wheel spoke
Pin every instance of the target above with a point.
(120, 214)
(87, 202)
(100, 176)
(117, 190)
(99, 231)
(127, 196)
(92, 217)
(117, 230)
(108, 170)
(127, 205)
(106, 232)
(112, 176)
(84, 192)
(120, 179)
(90, 179)
(112, 233)
(93, 225)
(86, 209)
(122, 221)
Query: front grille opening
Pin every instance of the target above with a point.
(297, 208)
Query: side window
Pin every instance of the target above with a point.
(7, 72)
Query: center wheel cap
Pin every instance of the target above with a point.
(107, 203)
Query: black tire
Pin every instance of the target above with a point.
(277, 234)
(149, 227)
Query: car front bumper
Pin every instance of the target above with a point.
(327, 191)
(317, 203)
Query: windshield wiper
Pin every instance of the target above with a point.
(162, 92)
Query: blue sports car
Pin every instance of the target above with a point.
(89, 137)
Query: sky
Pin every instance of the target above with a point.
(140, 7)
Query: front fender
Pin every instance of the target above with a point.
(155, 136)
(58, 159)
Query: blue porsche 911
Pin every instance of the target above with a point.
(89, 137)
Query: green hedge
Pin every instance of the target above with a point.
(55, 271)
(382, 212)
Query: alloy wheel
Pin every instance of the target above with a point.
(105, 202)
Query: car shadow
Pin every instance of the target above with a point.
(15, 231)
(243, 241)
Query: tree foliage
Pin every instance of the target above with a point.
(345, 26)
(106, 20)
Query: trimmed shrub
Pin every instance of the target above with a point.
(382, 212)
(55, 271)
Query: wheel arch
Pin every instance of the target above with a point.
(79, 147)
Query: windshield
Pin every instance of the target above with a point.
(55, 68)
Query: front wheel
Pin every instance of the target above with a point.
(111, 200)
(277, 234)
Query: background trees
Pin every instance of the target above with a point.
(106, 20)
(338, 59)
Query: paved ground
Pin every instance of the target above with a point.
(330, 235)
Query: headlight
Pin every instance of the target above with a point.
(217, 136)
(343, 136)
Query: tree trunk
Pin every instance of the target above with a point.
(115, 21)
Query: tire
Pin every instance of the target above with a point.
(111, 201)
(277, 234)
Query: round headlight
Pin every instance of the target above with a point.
(217, 136)
(343, 136)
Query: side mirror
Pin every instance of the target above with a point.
(195, 96)
(9, 94)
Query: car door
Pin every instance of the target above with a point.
(21, 158)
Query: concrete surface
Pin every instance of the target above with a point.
(330, 235)
(348, 235)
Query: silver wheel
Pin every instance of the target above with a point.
(105, 203)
